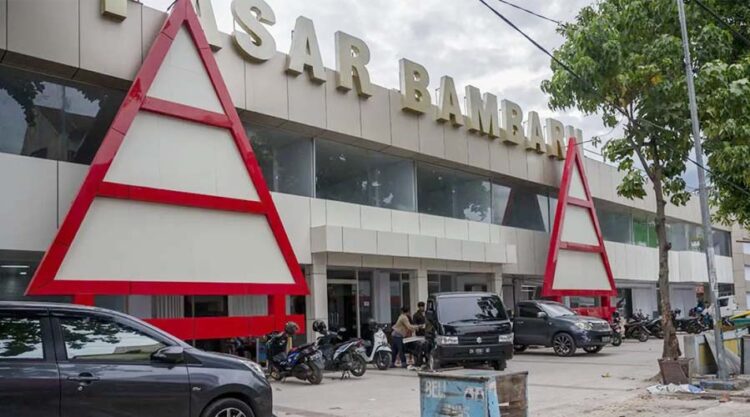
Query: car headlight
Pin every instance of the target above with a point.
(584, 325)
(505, 338)
(447, 340)
(254, 367)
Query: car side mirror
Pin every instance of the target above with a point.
(169, 354)
(541, 315)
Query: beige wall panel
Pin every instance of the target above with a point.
(405, 222)
(631, 262)
(458, 266)
(317, 212)
(152, 21)
(295, 216)
(431, 135)
(472, 251)
(102, 37)
(431, 225)
(342, 214)
(307, 101)
(535, 165)
(342, 108)
(28, 220)
(422, 246)
(449, 249)
(3, 27)
(479, 232)
(394, 244)
(360, 241)
(456, 229)
(376, 218)
(232, 68)
(45, 31)
(334, 238)
(345, 260)
(541, 247)
(266, 84)
(517, 161)
(376, 116)
(479, 150)
(456, 143)
(69, 180)
(499, 160)
(404, 126)
(434, 265)
(591, 168)
(406, 263)
(374, 261)
(495, 231)
(495, 253)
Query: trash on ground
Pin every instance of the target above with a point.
(674, 388)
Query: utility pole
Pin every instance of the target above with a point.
(705, 214)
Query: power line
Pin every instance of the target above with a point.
(721, 20)
(557, 22)
(570, 70)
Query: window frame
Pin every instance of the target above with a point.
(61, 349)
(48, 347)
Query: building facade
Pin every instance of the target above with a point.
(383, 204)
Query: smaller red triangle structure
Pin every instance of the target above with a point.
(182, 19)
(574, 168)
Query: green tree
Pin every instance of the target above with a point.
(628, 63)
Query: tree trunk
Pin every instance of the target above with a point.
(671, 348)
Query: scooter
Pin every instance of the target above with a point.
(378, 351)
(636, 329)
(303, 362)
(338, 355)
(616, 327)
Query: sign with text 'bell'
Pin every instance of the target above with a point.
(577, 262)
(174, 201)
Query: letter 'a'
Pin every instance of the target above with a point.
(174, 201)
(577, 262)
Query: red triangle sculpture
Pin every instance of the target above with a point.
(182, 16)
(573, 165)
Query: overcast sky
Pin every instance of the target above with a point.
(459, 38)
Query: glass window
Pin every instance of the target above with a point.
(695, 238)
(471, 308)
(206, 306)
(15, 276)
(677, 236)
(97, 339)
(644, 231)
(450, 193)
(528, 311)
(527, 209)
(360, 176)
(285, 159)
(722, 243)
(21, 338)
(746, 248)
(49, 118)
(500, 196)
(557, 310)
(615, 225)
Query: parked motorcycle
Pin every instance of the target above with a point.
(653, 326)
(377, 351)
(616, 327)
(303, 362)
(339, 355)
(636, 329)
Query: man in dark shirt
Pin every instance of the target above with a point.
(419, 318)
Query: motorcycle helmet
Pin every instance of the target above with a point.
(291, 328)
(319, 326)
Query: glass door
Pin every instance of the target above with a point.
(342, 307)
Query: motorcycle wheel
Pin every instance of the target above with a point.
(642, 337)
(383, 360)
(275, 374)
(617, 340)
(316, 375)
(359, 366)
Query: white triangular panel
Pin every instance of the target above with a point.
(183, 79)
(576, 185)
(124, 240)
(580, 271)
(173, 154)
(578, 226)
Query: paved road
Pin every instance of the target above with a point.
(558, 387)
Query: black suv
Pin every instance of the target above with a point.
(67, 360)
(468, 328)
(547, 323)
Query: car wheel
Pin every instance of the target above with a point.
(519, 348)
(617, 340)
(316, 375)
(643, 337)
(359, 366)
(499, 365)
(593, 349)
(383, 360)
(564, 345)
(228, 407)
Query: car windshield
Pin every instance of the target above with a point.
(556, 310)
(453, 310)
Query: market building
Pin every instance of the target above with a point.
(387, 195)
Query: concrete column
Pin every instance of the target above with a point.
(418, 287)
(496, 281)
(317, 301)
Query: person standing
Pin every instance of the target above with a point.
(419, 318)
(403, 328)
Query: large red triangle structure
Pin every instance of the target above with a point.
(577, 262)
(169, 191)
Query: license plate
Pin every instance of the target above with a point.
(605, 339)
